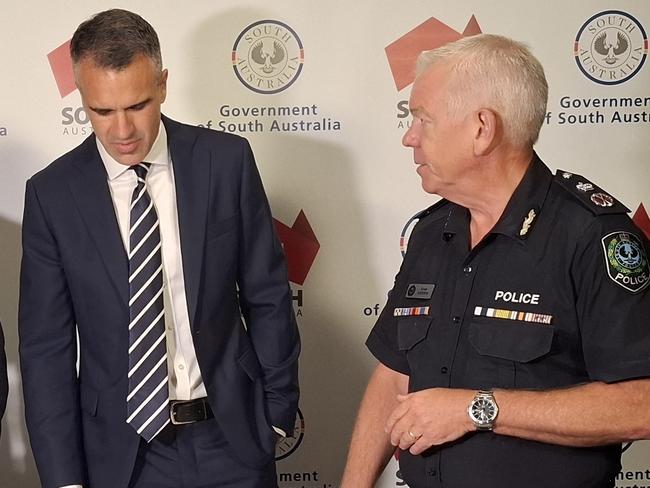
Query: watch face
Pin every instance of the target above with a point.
(483, 411)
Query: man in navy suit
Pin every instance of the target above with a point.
(226, 327)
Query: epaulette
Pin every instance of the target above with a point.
(427, 211)
(590, 195)
(415, 220)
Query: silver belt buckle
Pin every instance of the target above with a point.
(172, 412)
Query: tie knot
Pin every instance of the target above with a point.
(141, 169)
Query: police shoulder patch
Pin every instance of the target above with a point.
(626, 260)
(591, 196)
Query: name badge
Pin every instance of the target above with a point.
(420, 291)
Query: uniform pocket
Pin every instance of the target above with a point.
(412, 330)
(520, 342)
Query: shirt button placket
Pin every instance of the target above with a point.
(433, 472)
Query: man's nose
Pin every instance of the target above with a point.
(411, 137)
(124, 125)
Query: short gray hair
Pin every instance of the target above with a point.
(499, 73)
(113, 38)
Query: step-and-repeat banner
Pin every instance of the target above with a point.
(321, 89)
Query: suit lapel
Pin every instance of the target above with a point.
(192, 177)
(92, 196)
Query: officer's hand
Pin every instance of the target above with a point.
(429, 418)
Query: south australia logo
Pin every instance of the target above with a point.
(268, 56)
(611, 47)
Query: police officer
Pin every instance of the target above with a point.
(513, 350)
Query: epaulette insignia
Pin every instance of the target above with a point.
(591, 196)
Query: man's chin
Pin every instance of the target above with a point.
(429, 186)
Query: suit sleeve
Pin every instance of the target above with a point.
(48, 353)
(266, 300)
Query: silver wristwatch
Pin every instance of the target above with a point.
(483, 410)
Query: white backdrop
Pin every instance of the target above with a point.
(351, 178)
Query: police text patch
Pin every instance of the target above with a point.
(626, 260)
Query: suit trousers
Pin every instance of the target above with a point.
(195, 456)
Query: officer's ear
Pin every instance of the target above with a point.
(486, 131)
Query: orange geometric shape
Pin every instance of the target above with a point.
(472, 28)
(403, 53)
(61, 65)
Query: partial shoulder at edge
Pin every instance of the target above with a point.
(190, 132)
(437, 211)
(591, 196)
(433, 210)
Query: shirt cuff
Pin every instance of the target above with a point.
(71, 486)
(276, 429)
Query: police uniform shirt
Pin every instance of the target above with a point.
(555, 295)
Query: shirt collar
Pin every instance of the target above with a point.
(158, 154)
(526, 202)
(529, 196)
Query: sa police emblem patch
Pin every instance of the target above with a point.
(626, 260)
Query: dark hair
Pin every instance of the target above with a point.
(113, 38)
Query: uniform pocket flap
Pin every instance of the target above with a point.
(516, 342)
(411, 331)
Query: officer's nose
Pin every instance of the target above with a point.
(411, 137)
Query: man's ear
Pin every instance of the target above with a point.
(163, 85)
(487, 131)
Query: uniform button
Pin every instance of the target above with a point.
(444, 370)
(467, 269)
(432, 472)
(180, 366)
(456, 319)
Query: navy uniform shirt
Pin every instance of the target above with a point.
(555, 295)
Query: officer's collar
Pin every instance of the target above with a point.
(521, 212)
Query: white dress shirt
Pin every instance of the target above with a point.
(185, 382)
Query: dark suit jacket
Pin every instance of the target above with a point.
(4, 384)
(74, 278)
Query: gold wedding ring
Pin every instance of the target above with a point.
(413, 436)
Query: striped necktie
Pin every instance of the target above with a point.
(148, 397)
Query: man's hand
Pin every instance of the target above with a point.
(429, 418)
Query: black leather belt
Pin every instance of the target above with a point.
(187, 412)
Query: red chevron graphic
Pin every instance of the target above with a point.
(61, 65)
(431, 34)
(300, 246)
(642, 220)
